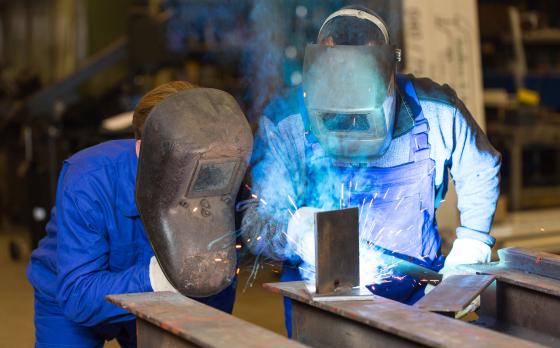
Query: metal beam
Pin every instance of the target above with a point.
(167, 319)
(522, 302)
(381, 323)
(536, 262)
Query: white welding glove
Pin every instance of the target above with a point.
(465, 252)
(157, 279)
(301, 235)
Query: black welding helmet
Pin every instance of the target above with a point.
(349, 85)
(194, 153)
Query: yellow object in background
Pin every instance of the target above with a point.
(528, 97)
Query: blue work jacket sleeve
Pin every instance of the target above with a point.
(84, 276)
(475, 168)
(277, 187)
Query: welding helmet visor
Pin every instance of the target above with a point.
(349, 86)
(194, 153)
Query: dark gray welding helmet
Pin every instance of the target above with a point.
(349, 85)
(194, 153)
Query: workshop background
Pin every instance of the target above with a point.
(72, 70)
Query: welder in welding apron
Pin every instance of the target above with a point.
(357, 134)
(396, 203)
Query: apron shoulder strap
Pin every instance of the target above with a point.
(419, 144)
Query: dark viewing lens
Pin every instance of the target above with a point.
(346, 122)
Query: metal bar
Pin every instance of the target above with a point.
(405, 323)
(519, 278)
(520, 67)
(337, 255)
(406, 267)
(536, 262)
(455, 293)
(192, 324)
(42, 102)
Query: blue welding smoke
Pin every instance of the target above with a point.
(280, 169)
(275, 36)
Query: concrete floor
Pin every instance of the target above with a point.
(16, 301)
(16, 298)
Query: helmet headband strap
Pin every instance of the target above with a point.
(351, 12)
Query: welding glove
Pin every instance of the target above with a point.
(301, 235)
(158, 281)
(465, 252)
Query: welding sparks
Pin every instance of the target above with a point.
(217, 259)
(362, 207)
(292, 202)
(195, 209)
(398, 204)
(385, 195)
(237, 246)
(263, 201)
(254, 196)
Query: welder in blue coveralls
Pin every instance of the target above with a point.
(96, 245)
(358, 134)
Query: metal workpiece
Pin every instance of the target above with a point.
(337, 253)
(454, 293)
(166, 319)
(337, 258)
(381, 323)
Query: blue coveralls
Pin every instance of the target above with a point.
(95, 246)
(397, 205)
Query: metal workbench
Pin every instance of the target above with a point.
(518, 309)
(381, 323)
